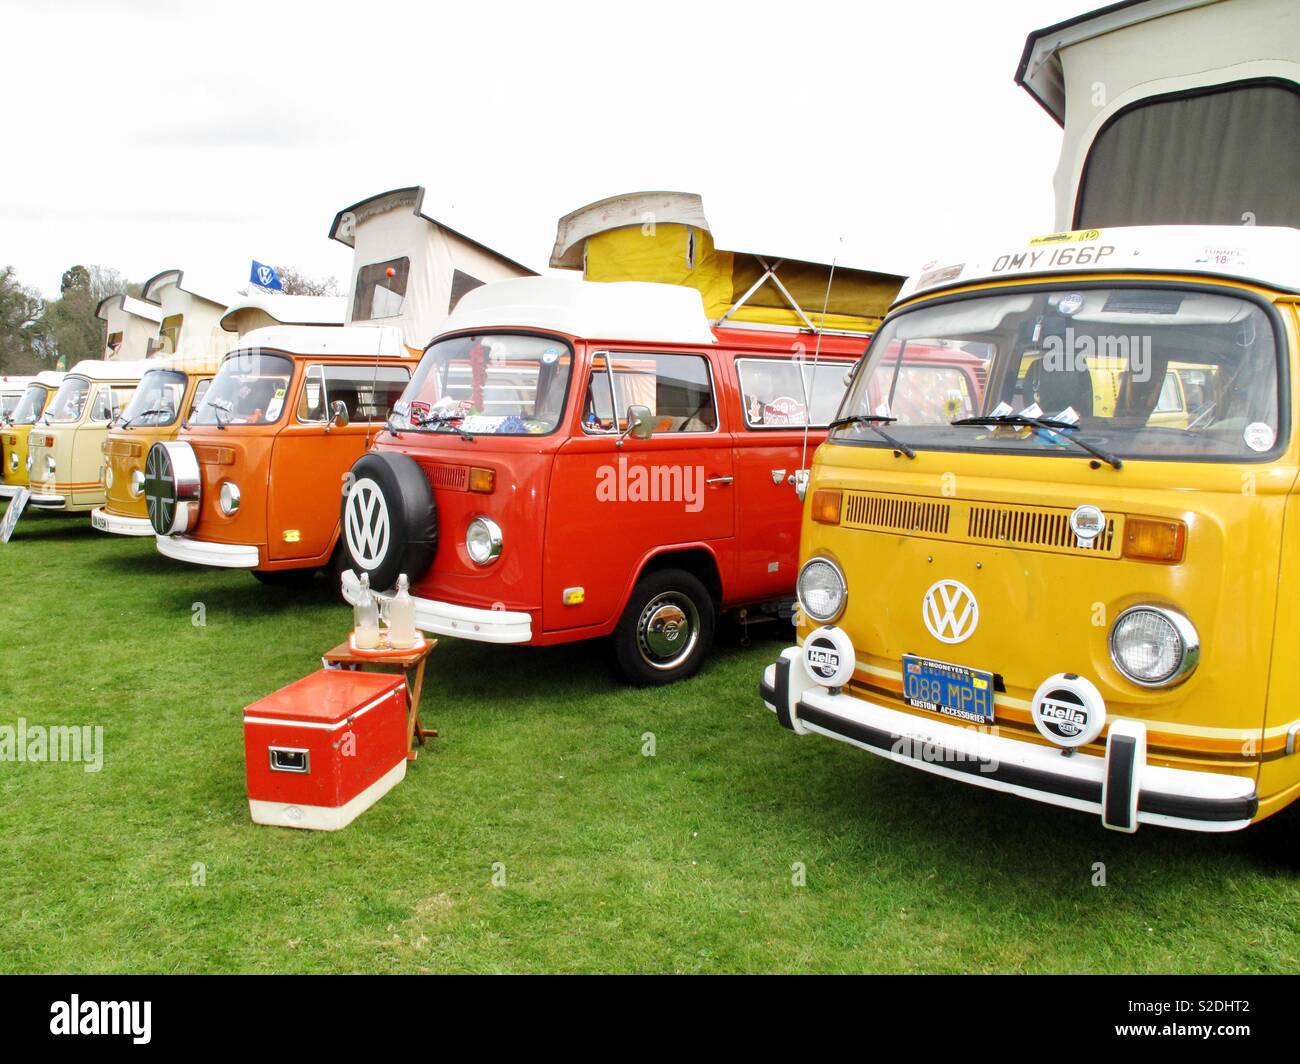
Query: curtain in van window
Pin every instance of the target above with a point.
(1222, 157)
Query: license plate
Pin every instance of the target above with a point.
(99, 521)
(953, 690)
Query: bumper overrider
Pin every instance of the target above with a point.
(1121, 787)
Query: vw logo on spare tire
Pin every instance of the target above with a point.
(172, 487)
(389, 520)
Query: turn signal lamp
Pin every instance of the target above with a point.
(292, 535)
(1150, 539)
(482, 481)
(826, 506)
(574, 596)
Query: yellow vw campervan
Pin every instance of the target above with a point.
(17, 425)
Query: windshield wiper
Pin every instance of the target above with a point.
(873, 422)
(126, 421)
(216, 414)
(440, 421)
(1049, 424)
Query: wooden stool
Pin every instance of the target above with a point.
(409, 662)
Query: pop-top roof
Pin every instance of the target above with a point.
(12, 385)
(140, 308)
(616, 310)
(98, 370)
(286, 310)
(345, 222)
(190, 282)
(325, 341)
(1262, 254)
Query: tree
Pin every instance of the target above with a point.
(295, 283)
(69, 329)
(20, 307)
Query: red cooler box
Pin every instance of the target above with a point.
(325, 749)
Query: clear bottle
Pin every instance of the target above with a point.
(401, 617)
(365, 635)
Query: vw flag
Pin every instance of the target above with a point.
(265, 277)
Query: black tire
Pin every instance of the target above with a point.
(405, 538)
(665, 606)
(285, 577)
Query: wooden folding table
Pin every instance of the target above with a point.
(411, 663)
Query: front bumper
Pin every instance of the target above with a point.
(484, 626)
(45, 501)
(1121, 788)
(201, 552)
(104, 521)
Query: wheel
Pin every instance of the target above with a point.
(285, 577)
(389, 520)
(666, 630)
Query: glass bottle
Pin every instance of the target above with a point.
(366, 613)
(401, 617)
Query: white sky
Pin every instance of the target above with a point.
(148, 134)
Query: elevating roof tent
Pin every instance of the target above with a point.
(1174, 111)
(665, 237)
(262, 309)
(129, 325)
(410, 270)
(191, 312)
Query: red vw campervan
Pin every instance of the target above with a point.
(576, 459)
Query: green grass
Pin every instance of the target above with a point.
(614, 861)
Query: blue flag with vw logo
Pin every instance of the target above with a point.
(265, 277)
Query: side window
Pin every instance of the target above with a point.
(367, 391)
(381, 290)
(677, 389)
(103, 408)
(778, 393)
(200, 390)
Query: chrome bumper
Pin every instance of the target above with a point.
(1122, 788)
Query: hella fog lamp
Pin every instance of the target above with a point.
(821, 588)
(228, 497)
(1068, 710)
(1154, 647)
(137, 483)
(483, 541)
(828, 656)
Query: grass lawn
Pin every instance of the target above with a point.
(614, 861)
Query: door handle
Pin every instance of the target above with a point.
(719, 480)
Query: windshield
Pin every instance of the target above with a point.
(1141, 372)
(69, 401)
(157, 402)
(8, 402)
(488, 384)
(249, 389)
(31, 404)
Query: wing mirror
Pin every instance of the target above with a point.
(338, 413)
(640, 424)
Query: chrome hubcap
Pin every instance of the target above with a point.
(668, 630)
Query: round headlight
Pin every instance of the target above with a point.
(13, 460)
(49, 464)
(137, 483)
(822, 590)
(29, 463)
(228, 497)
(483, 541)
(1154, 647)
(108, 476)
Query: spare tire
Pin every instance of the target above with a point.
(388, 521)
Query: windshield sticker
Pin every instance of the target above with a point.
(1258, 436)
(484, 423)
(1070, 303)
(1001, 410)
(550, 355)
(1032, 410)
(1069, 415)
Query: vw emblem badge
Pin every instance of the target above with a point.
(950, 611)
